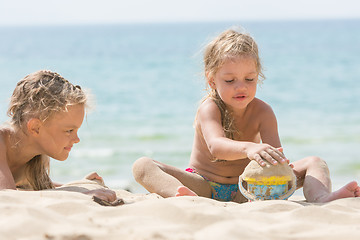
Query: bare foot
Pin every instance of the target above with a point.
(184, 191)
(351, 189)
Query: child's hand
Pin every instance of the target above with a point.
(95, 176)
(264, 152)
(104, 194)
(287, 160)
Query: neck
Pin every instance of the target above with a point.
(20, 149)
(237, 113)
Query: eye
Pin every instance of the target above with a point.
(229, 81)
(249, 79)
(69, 131)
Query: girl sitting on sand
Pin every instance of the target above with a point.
(232, 128)
(46, 112)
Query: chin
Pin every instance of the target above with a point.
(61, 158)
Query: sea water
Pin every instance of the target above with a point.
(147, 82)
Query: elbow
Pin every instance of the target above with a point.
(214, 150)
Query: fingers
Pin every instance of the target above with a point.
(277, 154)
(104, 194)
(259, 160)
(95, 176)
(92, 176)
(102, 202)
(263, 153)
(273, 156)
(270, 155)
(108, 195)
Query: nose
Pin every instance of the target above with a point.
(76, 139)
(240, 85)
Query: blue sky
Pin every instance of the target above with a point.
(50, 12)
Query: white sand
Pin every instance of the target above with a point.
(61, 214)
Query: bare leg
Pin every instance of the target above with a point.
(168, 181)
(313, 174)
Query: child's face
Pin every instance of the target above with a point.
(236, 82)
(58, 134)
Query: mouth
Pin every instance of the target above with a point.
(68, 148)
(240, 97)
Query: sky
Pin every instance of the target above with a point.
(65, 12)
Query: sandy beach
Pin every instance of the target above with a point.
(66, 214)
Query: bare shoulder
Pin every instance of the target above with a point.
(267, 123)
(262, 108)
(6, 131)
(3, 134)
(3, 148)
(208, 108)
(207, 105)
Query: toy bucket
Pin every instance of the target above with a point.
(268, 188)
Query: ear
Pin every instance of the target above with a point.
(33, 126)
(210, 81)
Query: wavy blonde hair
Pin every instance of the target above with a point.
(40, 95)
(229, 44)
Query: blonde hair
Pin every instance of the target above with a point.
(229, 44)
(40, 95)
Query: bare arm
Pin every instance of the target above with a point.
(221, 147)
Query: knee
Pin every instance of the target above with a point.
(140, 166)
(317, 162)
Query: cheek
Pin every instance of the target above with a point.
(60, 141)
(226, 90)
(253, 87)
(224, 95)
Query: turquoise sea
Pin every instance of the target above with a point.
(147, 82)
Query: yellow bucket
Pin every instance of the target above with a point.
(267, 188)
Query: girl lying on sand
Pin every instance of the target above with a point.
(46, 112)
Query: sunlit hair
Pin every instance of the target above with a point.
(230, 44)
(40, 95)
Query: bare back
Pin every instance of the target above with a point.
(252, 126)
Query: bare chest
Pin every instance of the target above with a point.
(247, 131)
